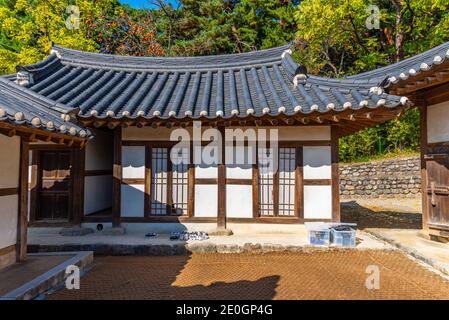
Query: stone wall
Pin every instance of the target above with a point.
(388, 179)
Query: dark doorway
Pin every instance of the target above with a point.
(54, 185)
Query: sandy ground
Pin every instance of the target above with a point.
(318, 275)
(383, 213)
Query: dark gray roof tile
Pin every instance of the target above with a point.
(237, 85)
(20, 106)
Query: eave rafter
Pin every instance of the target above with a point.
(35, 135)
(349, 120)
(438, 75)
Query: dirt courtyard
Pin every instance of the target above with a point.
(329, 274)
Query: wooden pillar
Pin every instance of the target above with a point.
(335, 175)
(191, 182)
(423, 137)
(78, 169)
(299, 184)
(221, 212)
(117, 176)
(22, 221)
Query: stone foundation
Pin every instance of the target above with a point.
(396, 178)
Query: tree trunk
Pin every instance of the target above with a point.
(399, 38)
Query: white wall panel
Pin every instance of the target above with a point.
(317, 162)
(8, 220)
(132, 201)
(97, 193)
(438, 122)
(239, 201)
(133, 162)
(239, 171)
(317, 202)
(10, 161)
(99, 151)
(206, 200)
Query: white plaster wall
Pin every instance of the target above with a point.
(206, 200)
(317, 162)
(205, 171)
(133, 162)
(132, 201)
(239, 171)
(239, 201)
(10, 161)
(317, 202)
(8, 220)
(97, 193)
(99, 151)
(438, 122)
(242, 166)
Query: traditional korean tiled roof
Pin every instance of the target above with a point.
(261, 83)
(406, 69)
(22, 107)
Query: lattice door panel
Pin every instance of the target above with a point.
(287, 167)
(180, 179)
(277, 187)
(159, 181)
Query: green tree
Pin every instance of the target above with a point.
(128, 32)
(333, 40)
(203, 27)
(28, 27)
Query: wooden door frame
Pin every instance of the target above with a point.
(76, 199)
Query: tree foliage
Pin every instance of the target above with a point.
(202, 27)
(331, 36)
(128, 32)
(333, 40)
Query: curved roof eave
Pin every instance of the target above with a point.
(260, 83)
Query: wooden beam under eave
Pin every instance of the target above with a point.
(155, 124)
(11, 133)
(98, 124)
(258, 122)
(289, 121)
(113, 124)
(305, 120)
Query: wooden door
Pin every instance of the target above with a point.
(169, 182)
(277, 190)
(437, 166)
(54, 185)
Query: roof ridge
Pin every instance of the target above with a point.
(235, 60)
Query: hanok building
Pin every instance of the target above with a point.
(132, 104)
(26, 118)
(424, 78)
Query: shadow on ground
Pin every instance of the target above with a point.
(168, 275)
(365, 217)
